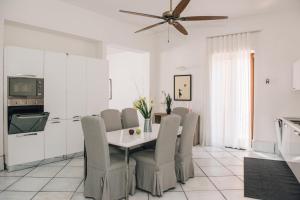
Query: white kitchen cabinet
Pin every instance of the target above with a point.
(55, 84)
(23, 62)
(25, 148)
(55, 139)
(75, 140)
(296, 75)
(76, 87)
(97, 86)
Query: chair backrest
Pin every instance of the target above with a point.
(112, 119)
(130, 118)
(96, 145)
(187, 136)
(166, 141)
(181, 111)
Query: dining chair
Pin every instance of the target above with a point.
(112, 119)
(113, 122)
(130, 118)
(155, 169)
(183, 156)
(181, 111)
(106, 173)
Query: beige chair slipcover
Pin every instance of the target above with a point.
(183, 156)
(156, 168)
(106, 174)
(113, 122)
(181, 111)
(130, 118)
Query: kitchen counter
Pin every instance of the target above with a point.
(291, 122)
(288, 136)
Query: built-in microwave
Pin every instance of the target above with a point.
(25, 88)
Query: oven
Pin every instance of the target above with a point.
(26, 105)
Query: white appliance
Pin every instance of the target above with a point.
(288, 134)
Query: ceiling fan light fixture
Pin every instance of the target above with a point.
(173, 16)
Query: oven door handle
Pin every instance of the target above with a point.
(26, 75)
(31, 116)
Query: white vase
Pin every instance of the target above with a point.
(147, 125)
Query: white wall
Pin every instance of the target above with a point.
(1, 83)
(16, 34)
(59, 16)
(278, 47)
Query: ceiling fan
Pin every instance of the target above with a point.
(173, 16)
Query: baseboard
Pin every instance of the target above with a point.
(264, 146)
(1, 163)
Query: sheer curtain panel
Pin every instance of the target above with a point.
(229, 60)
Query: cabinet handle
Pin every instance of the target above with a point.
(95, 115)
(30, 134)
(55, 118)
(76, 120)
(76, 116)
(55, 122)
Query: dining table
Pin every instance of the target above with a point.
(126, 142)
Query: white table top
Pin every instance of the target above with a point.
(121, 138)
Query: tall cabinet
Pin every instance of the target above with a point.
(55, 103)
(76, 102)
(75, 86)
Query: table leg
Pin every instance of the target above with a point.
(127, 173)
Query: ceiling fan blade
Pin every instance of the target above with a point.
(180, 7)
(180, 28)
(148, 27)
(202, 18)
(141, 14)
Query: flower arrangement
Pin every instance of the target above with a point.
(168, 102)
(144, 106)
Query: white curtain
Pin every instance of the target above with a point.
(229, 61)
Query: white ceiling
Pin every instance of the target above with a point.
(231, 8)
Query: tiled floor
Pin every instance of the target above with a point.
(219, 176)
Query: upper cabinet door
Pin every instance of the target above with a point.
(97, 86)
(55, 84)
(76, 86)
(296, 75)
(23, 62)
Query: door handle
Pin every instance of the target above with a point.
(110, 89)
(25, 135)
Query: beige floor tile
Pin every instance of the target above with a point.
(228, 183)
(53, 196)
(216, 171)
(198, 184)
(204, 195)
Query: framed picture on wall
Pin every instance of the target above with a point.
(183, 87)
